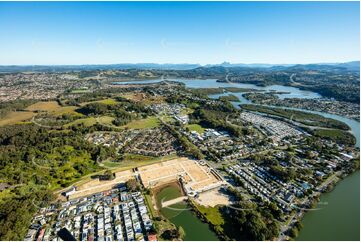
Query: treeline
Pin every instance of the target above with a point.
(217, 116)
(16, 105)
(245, 220)
(16, 212)
(189, 148)
(124, 110)
(34, 161)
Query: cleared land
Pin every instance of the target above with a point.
(213, 198)
(44, 106)
(196, 177)
(54, 108)
(144, 98)
(107, 120)
(96, 185)
(121, 169)
(108, 101)
(51, 107)
(16, 117)
(150, 122)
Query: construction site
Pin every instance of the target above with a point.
(194, 176)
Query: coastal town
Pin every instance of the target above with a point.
(264, 160)
(180, 121)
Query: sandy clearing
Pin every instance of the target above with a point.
(213, 198)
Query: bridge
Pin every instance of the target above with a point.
(174, 201)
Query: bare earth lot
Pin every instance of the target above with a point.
(213, 198)
(197, 177)
(95, 186)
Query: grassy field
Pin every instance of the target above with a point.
(150, 122)
(195, 127)
(108, 101)
(76, 91)
(53, 108)
(144, 159)
(16, 117)
(111, 164)
(44, 106)
(148, 201)
(142, 97)
(168, 119)
(187, 111)
(67, 110)
(86, 121)
(132, 160)
(107, 120)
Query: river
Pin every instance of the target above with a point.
(339, 215)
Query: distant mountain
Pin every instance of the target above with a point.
(348, 66)
(255, 65)
(352, 66)
(63, 68)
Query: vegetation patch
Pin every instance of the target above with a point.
(195, 127)
(108, 101)
(339, 136)
(147, 123)
(212, 214)
(230, 98)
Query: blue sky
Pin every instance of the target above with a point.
(178, 32)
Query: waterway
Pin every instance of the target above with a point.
(181, 215)
(339, 215)
(292, 92)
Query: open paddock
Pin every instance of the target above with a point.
(44, 106)
(16, 117)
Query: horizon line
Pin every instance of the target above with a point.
(155, 63)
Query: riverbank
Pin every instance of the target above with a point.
(181, 215)
(337, 217)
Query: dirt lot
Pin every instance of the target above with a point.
(95, 185)
(213, 198)
(197, 177)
